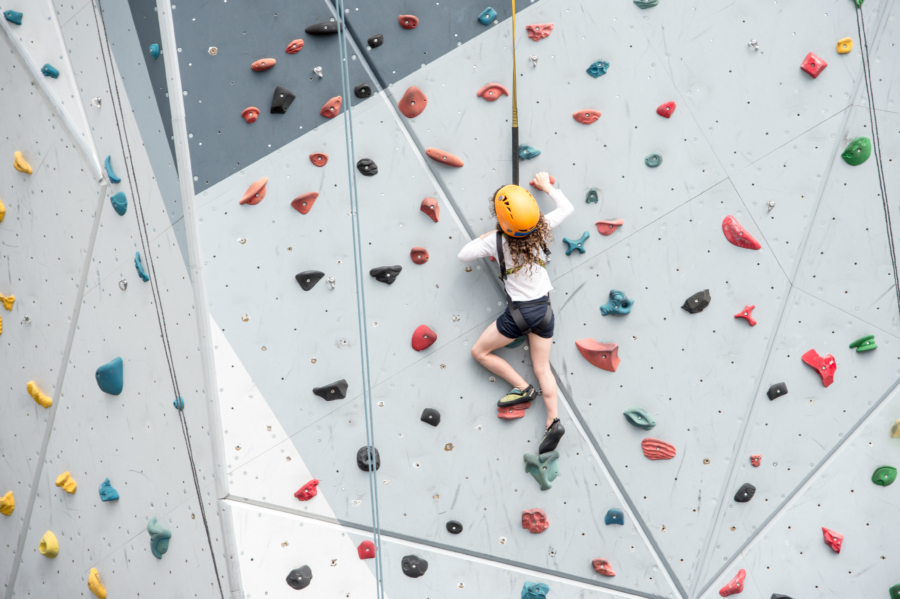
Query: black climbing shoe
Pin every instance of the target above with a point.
(552, 437)
(516, 397)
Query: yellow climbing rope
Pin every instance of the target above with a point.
(515, 112)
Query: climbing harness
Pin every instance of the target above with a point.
(514, 310)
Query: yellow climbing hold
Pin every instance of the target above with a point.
(67, 483)
(2, 211)
(7, 301)
(895, 429)
(38, 395)
(20, 164)
(7, 504)
(844, 45)
(49, 546)
(94, 584)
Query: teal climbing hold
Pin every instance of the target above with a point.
(618, 303)
(544, 468)
(159, 538)
(653, 160)
(598, 68)
(109, 377)
(140, 267)
(527, 152)
(13, 16)
(516, 342)
(48, 70)
(592, 197)
(575, 244)
(639, 417)
(179, 403)
(119, 203)
(535, 590)
(487, 16)
(107, 493)
(154, 51)
(646, 3)
(615, 516)
(109, 170)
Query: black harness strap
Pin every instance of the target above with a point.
(524, 329)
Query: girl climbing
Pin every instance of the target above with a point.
(524, 234)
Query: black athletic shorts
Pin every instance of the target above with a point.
(533, 312)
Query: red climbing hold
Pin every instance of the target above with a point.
(319, 159)
(443, 157)
(430, 207)
(366, 550)
(654, 449)
(304, 203)
(408, 21)
(492, 92)
(412, 103)
(833, 539)
(813, 65)
(307, 491)
(539, 31)
(552, 181)
(250, 114)
(602, 355)
(256, 192)
(263, 64)
(419, 255)
(747, 313)
(294, 47)
(331, 108)
(666, 109)
(423, 338)
(608, 227)
(737, 235)
(824, 365)
(535, 520)
(586, 116)
(755, 459)
(513, 412)
(602, 566)
(735, 586)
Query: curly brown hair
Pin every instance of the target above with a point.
(525, 250)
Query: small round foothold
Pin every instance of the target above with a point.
(27, 319)
(123, 284)
(318, 71)
(454, 527)
(753, 44)
(653, 160)
(771, 205)
(96, 102)
(534, 60)
(250, 114)
(213, 50)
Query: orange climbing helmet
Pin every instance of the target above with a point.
(517, 210)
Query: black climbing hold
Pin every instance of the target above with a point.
(363, 90)
(413, 566)
(309, 278)
(362, 458)
(326, 28)
(454, 527)
(281, 100)
(777, 596)
(300, 578)
(367, 167)
(777, 390)
(336, 390)
(431, 416)
(745, 493)
(386, 274)
(376, 40)
(697, 302)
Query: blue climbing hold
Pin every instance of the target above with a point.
(527, 152)
(109, 377)
(109, 170)
(179, 403)
(516, 342)
(618, 303)
(598, 68)
(49, 70)
(140, 267)
(575, 244)
(13, 16)
(653, 160)
(615, 516)
(107, 493)
(487, 16)
(159, 538)
(535, 590)
(120, 203)
(154, 51)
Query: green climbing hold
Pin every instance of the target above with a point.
(646, 3)
(49, 70)
(593, 196)
(516, 342)
(639, 417)
(653, 160)
(894, 590)
(866, 343)
(527, 152)
(858, 151)
(13, 16)
(159, 538)
(884, 476)
(544, 468)
(859, 4)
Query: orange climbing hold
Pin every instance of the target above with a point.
(608, 227)
(513, 412)
(412, 103)
(256, 192)
(331, 108)
(666, 109)
(654, 449)
(263, 64)
(408, 21)
(755, 459)
(307, 491)
(430, 207)
(492, 92)
(747, 314)
(539, 31)
(304, 203)
(319, 159)
(735, 586)
(250, 114)
(419, 255)
(602, 566)
(294, 47)
(535, 520)
(443, 157)
(824, 365)
(602, 355)
(423, 338)
(586, 116)
(737, 235)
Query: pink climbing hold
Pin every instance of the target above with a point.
(737, 235)
(250, 114)
(492, 92)
(602, 355)
(331, 108)
(755, 459)
(319, 159)
(430, 207)
(256, 192)
(304, 203)
(513, 412)
(735, 586)
(423, 338)
(602, 566)
(419, 255)
(747, 314)
(586, 116)
(294, 47)
(408, 21)
(366, 550)
(263, 64)
(443, 157)
(307, 491)
(539, 31)
(412, 103)
(824, 365)
(654, 449)
(813, 65)
(608, 227)
(666, 109)
(552, 181)
(535, 520)
(833, 539)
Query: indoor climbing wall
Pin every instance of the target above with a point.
(719, 291)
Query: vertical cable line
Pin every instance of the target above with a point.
(360, 296)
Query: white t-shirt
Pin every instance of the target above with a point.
(529, 282)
